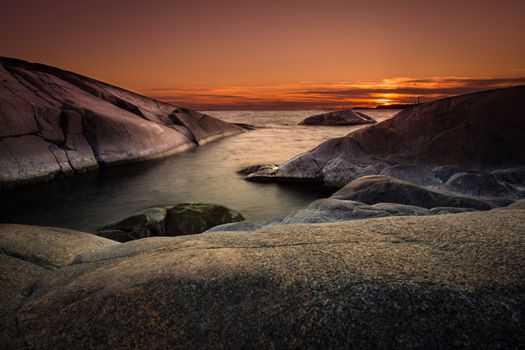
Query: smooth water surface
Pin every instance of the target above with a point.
(203, 174)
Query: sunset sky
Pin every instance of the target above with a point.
(276, 54)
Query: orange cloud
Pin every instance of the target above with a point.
(311, 95)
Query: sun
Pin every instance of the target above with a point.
(383, 101)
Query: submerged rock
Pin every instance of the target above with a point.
(384, 189)
(54, 122)
(415, 281)
(181, 219)
(341, 117)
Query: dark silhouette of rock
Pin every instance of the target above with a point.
(473, 131)
(177, 220)
(341, 117)
(44, 110)
(383, 189)
(444, 281)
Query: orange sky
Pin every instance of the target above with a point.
(276, 54)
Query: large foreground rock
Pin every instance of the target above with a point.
(342, 117)
(397, 282)
(54, 123)
(473, 131)
(49, 247)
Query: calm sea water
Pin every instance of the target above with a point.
(204, 174)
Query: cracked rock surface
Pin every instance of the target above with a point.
(54, 123)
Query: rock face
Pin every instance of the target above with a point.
(177, 220)
(396, 282)
(342, 117)
(480, 130)
(54, 122)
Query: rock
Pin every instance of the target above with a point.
(445, 172)
(513, 176)
(26, 158)
(339, 171)
(72, 122)
(342, 117)
(181, 219)
(17, 278)
(93, 122)
(418, 175)
(396, 282)
(146, 223)
(472, 131)
(245, 226)
(518, 204)
(260, 168)
(479, 184)
(48, 247)
(329, 210)
(450, 210)
(233, 226)
(191, 218)
(62, 159)
(384, 189)
(79, 153)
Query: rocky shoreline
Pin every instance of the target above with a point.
(421, 246)
(57, 123)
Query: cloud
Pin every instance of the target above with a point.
(311, 95)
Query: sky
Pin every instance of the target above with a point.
(287, 54)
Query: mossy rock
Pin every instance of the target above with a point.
(143, 224)
(181, 219)
(191, 218)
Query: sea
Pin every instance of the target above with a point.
(203, 174)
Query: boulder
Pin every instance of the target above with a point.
(93, 122)
(191, 218)
(383, 189)
(181, 219)
(329, 210)
(480, 184)
(472, 131)
(341, 117)
(395, 282)
(418, 175)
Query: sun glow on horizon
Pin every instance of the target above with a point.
(312, 95)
